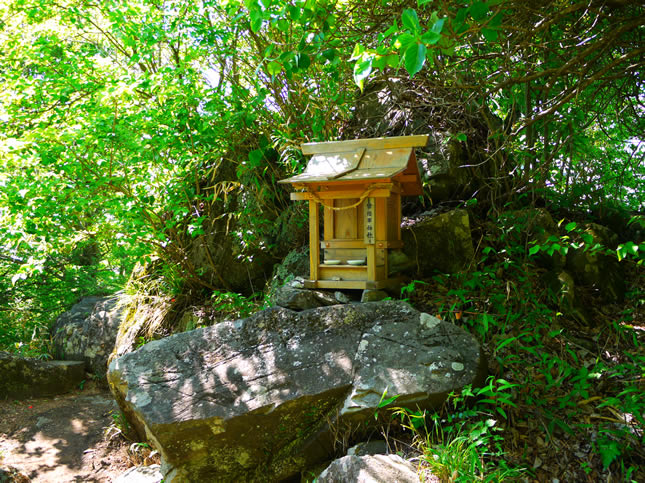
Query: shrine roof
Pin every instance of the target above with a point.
(362, 160)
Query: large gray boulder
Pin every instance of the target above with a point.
(23, 377)
(378, 468)
(87, 332)
(442, 242)
(260, 399)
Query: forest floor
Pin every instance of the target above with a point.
(64, 438)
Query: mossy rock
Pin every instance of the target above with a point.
(24, 377)
(598, 268)
(442, 243)
(264, 398)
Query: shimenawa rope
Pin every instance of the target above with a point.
(367, 192)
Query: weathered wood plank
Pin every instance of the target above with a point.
(345, 221)
(314, 239)
(336, 243)
(417, 141)
(340, 195)
(328, 222)
(371, 262)
(344, 272)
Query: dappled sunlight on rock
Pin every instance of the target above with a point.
(278, 381)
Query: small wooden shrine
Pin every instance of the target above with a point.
(359, 185)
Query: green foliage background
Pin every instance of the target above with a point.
(155, 132)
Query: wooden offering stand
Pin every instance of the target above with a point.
(359, 185)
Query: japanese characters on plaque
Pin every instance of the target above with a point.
(369, 237)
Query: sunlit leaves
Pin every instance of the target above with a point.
(362, 70)
(438, 25)
(415, 57)
(274, 67)
(430, 37)
(412, 44)
(410, 21)
(630, 248)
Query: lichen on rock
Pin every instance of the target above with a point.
(262, 398)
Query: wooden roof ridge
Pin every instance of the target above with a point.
(416, 141)
(363, 160)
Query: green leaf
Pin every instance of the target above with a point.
(268, 51)
(392, 60)
(294, 12)
(282, 25)
(274, 68)
(329, 54)
(555, 247)
(302, 61)
(430, 37)
(460, 18)
(362, 70)
(256, 20)
(461, 137)
(415, 57)
(478, 10)
(609, 451)
(505, 342)
(421, 3)
(570, 226)
(255, 158)
(357, 52)
(534, 249)
(378, 62)
(404, 40)
(438, 25)
(626, 249)
(489, 34)
(411, 20)
(393, 29)
(387, 401)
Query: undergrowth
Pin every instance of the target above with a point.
(564, 398)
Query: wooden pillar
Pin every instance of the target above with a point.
(397, 220)
(381, 219)
(328, 221)
(382, 229)
(371, 262)
(314, 239)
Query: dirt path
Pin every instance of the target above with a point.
(61, 439)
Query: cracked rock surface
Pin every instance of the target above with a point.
(261, 398)
(87, 332)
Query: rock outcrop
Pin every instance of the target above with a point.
(295, 266)
(370, 469)
(87, 332)
(24, 377)
(442, 242)
(294, 298)
(594, 267)
(260, 399)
